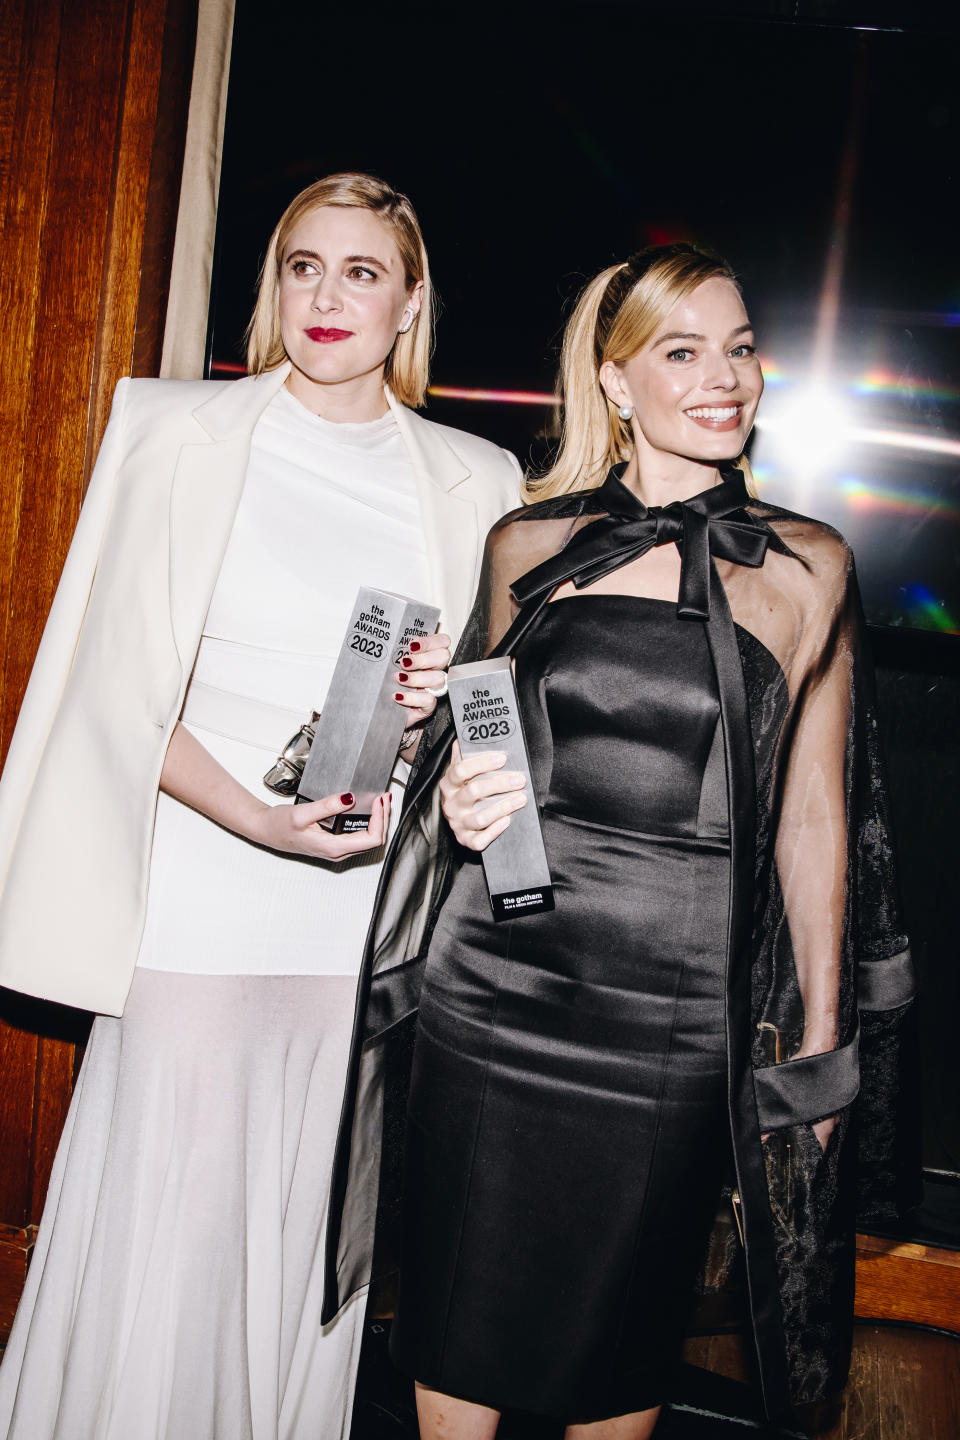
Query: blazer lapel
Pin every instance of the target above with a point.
(450, 520)
(207, 483)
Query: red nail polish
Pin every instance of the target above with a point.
(346, 799)
(404, 679)
(398, 697)
(406, 662)
(414, 646)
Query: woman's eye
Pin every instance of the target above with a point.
(680, 355)
(743, 352)
(361, 272)
(303, 267)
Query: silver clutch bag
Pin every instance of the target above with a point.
(284, 777)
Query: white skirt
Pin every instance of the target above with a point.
(175, 1289)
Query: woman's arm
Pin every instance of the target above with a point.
(812, 855)
(191, 774)
(813, 843)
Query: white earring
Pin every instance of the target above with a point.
(625, 412)
(404, 328)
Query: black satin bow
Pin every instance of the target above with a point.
(698, 527)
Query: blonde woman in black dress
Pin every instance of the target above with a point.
(704, 762)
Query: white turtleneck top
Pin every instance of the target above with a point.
(325, 508)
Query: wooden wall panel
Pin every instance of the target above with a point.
(60, 294)
(93, 109)
(903, 1282)
(163, 196)
(119, 296)
(16, 1247)
(29, 83)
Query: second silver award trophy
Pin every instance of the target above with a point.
(359, 731)
(484, 703)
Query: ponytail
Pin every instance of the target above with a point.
(617, 314)
(594, 437)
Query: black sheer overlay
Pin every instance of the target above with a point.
(819, 981)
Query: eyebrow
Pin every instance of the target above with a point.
(688, 335)
(305, 254)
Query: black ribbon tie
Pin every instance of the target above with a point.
(714, 522)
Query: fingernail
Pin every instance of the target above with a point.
(346, 799)
(399, 697)
(406, 662)
(415, 646)
(404, 679)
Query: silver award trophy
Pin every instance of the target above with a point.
(358, 733)
(485, 711)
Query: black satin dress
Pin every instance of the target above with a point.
(567, 1127)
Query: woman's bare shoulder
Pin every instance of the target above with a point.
(822, 549)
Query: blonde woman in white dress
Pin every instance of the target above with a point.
(147, 874)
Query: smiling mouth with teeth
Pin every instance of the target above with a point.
(715, 417)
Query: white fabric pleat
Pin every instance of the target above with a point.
(175, 1289)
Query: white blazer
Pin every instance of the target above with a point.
(78, 796)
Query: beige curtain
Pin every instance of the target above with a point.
(185, 333)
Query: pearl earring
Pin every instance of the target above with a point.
(404, 328)
(625, 412)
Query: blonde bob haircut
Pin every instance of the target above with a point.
(617, 314)
(407, 370)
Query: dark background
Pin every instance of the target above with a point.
(542, 142)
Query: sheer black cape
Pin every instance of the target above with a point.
(819, 976)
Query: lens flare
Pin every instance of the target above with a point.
(501, 397)
(884, 382)
(927, 612)
(810, 429)
(919, 441)
(772, 374)
(887, 500)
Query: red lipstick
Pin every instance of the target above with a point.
(323, 336)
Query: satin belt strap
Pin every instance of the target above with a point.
(886, 984)
(800, 1091)
(237, 717)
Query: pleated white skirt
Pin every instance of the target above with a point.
(174, 1293)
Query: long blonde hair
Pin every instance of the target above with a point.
(617, 314)
(407, 370)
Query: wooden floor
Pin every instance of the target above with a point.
(904, 1384)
